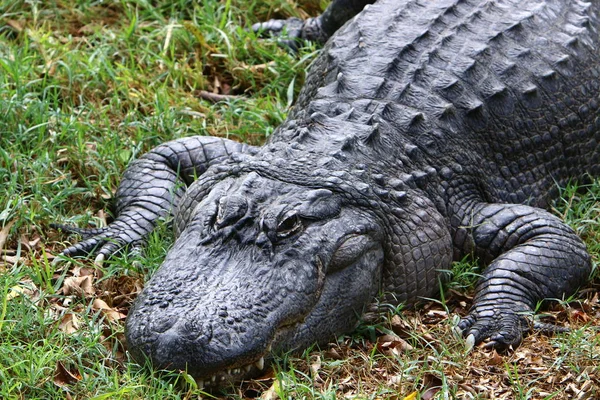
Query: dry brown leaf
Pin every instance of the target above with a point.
(16, 25)
(91, 146)
(400, 327)
(4, 233)
(110, 313)
(392, 345)
(78, 285)
(432, 384)
(93, 272)
(30, 243)
(438, 314)
(579, 316)
(64, 377)
(121, 291)
(314, 370)
(495, 359)
(333, 354)
(12, 260)
(271, 393)
(69, 323)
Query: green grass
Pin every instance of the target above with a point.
(86, 86)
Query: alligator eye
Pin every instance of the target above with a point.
(290, 225)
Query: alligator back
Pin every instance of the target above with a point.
(503, 92)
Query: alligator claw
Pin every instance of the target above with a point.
(99, 260)
(470, 342)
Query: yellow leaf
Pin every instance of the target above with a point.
(411, 396)
(15, 291)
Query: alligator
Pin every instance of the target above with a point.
(426, 131)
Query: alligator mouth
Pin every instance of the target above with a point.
(237, 374)
(283, 333)
(252, 370)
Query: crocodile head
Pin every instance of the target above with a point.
(262, 265)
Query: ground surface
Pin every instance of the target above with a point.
(85, 86)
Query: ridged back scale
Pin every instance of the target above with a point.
(497, 99)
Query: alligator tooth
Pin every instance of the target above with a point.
(236, 371)
(269, 348)
(260, 364)
(228, 372)
(247, 368)
(213, 378)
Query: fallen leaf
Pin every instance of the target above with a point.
(400, 327)
(411, 396)
(4, 233)
(392, 345)
(110, 313)
(271, 393)
(78, 285)
(16, 25)
(69, 323)
(579, 315)
(23, 288)
(431, 385)
(64, 377)
(495, 359)
(30, 243)
(334, 354)
(314, 371)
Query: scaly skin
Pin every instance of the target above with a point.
(426, 130)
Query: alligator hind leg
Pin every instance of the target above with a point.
(317, 29)
(534, 256)
(151, 187)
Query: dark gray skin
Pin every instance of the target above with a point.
(426, 131)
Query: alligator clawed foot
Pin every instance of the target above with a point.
(502, 330)
(104, 242)
(292, 31)
(287, 31)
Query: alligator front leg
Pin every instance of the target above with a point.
(151, 187)
(317, 29)
(534, 256)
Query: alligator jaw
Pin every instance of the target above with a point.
(236, 374)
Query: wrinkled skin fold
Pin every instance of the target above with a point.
(426, 131)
